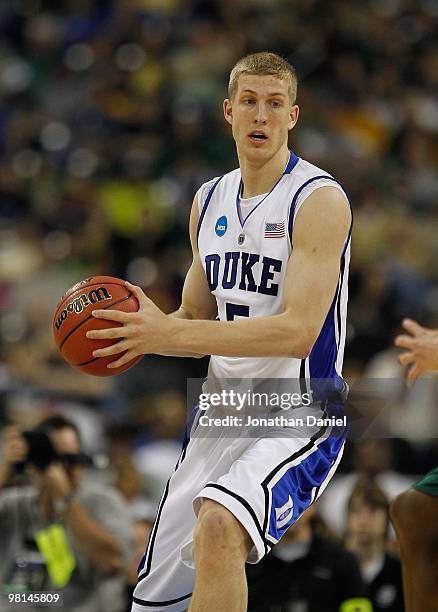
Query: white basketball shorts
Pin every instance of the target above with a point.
(267, 483)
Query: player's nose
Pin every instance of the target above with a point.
(260, 115)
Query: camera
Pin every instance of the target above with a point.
(41, 452)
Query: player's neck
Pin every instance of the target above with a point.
(260, 177)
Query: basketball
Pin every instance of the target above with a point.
(73, 319)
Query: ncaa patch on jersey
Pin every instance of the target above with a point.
(221, 226)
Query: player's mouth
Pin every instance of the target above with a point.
(258, 137)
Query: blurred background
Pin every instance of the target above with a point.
(110, 120)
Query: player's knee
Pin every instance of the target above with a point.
(216, 523)
(218, 531)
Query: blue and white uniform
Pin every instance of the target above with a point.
(266, 482)
(247, 278)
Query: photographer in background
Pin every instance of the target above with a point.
(60, 533)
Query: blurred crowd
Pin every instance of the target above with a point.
(76, 523)
(111, 118)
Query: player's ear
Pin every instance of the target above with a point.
(228, 111)
(293, 116)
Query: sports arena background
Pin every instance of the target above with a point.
(111, 118)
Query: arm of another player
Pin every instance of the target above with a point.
(319, 235)
(422, 349)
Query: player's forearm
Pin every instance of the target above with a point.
(182, 313)
(276, 336)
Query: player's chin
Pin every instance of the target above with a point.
(258, 149)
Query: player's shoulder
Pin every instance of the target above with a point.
(305, 170)
(206, 188)
(232, 175)
(307, 178)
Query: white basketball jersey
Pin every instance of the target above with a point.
(245, 261)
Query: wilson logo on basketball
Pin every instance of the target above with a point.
(79, 303)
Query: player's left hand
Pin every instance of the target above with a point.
(422, 350)
(141, 332)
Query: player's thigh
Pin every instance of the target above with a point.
(272, 482)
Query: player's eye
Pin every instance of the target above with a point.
(248, 101)
(275, 104)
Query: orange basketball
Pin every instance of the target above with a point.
(73, 319)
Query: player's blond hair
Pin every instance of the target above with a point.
(263, 64)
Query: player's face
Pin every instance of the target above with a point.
(261, 116)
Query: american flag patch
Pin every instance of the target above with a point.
(274, 230)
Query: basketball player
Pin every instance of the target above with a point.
(414, 512)
(271, 248)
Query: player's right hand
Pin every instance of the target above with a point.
(421, 349)
(14, 448)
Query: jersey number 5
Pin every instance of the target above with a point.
(236, 310)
